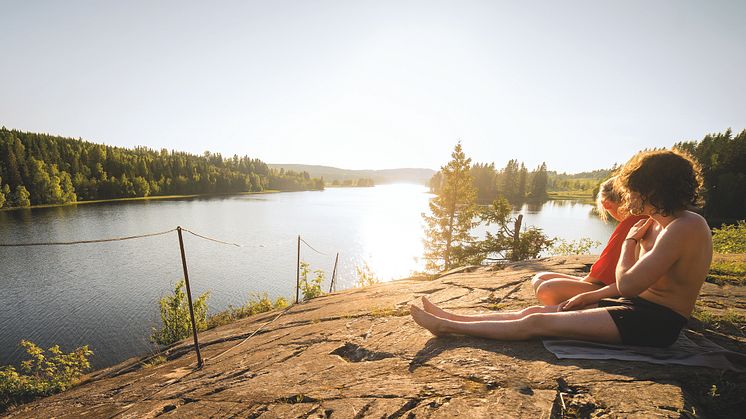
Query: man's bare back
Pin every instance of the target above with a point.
(679, 286)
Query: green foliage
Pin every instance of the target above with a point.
(256, 304)
(43, 374)
(154, 361)
(531, 242)
(513, 182)
(728, 321)
(581, 246)
(21, 197)
(485, 181)
(726, 271)
(448, 229)
(175, 316)
(567, 183)
(723, 160)
(350, 183)
(502, 243)
(379, 311)
(294, 181)
(365, 276)
(454, 211)
(730, 238)
(310, 287)
(539, 182)
(3, 192)
(57, 170)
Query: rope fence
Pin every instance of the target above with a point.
(115, 239)
(312, 248)
(211, 239)
(179, 231)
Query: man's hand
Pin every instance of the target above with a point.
(579, 301)
(637, 232)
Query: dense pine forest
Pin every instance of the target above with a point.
(37, 169)
(513, 182)
(723, 160)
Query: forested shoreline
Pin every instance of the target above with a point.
(723, 160)
(43, 169)
(722, 157)
(514, 182)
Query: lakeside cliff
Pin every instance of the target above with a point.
(356, 353)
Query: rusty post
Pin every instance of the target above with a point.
(333, 285)
(189, 296)
(516, 236)
(297, 275)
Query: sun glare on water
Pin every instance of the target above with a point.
(392, 236)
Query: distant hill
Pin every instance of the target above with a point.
(330, 174)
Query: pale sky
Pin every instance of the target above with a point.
(377, 84)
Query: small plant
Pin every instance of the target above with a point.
(256, 304)
(730, 238)
(311, 288)
(365, 276)
(43, 374)
(581, 246)
(154, 361)
(177, 324)
(724, 271)
(728, 320)
(389, 311)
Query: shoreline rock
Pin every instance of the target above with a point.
(356, 353)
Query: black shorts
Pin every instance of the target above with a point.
(643, 323)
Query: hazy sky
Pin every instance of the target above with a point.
(377, 84)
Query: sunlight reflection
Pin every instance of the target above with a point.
(393, 235)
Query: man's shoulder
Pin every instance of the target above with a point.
(688, 223)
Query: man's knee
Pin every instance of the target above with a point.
(546, 292)
(535, 325)
(539, 279)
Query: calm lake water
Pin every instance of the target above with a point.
(106, 295)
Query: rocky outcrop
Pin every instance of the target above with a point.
(357, 353)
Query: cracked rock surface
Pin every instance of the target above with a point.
(357, 353)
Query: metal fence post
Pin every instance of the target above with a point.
(297, 275)
(189, 297)
(333, 285)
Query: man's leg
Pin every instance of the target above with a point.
(541, 277)
(556, 290)
(502, 315)
(592, 324)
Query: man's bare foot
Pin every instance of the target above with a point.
(427, 320)
(435, 310)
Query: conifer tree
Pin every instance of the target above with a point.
(522, 181)
(539, 177)
(21, 197)
(453, 212)
(510, 181)
(2, 193)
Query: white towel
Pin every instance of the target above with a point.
(685, 351)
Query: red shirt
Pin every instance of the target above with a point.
(604, 269)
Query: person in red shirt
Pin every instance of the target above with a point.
(553, 288)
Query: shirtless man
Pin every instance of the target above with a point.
(663, 264)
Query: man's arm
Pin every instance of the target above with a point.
(635, 276)
(587, 298)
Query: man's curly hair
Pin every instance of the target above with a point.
(668, 180)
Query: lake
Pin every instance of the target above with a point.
(106, 294)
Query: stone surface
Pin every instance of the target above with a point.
(357, 353)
